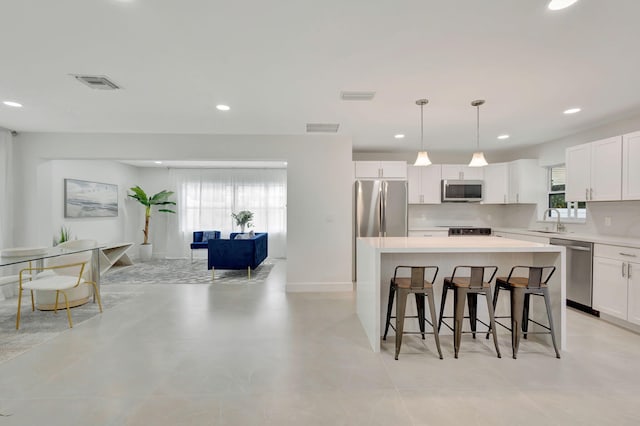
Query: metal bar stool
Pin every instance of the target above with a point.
(421, 288)
(521, 288)
(466, 289)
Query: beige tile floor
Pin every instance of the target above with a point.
(254, 355)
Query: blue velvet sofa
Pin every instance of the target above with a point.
(201, 238)
(238, 253)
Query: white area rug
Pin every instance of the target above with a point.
(183, 271)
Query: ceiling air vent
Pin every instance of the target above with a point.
(322, 127)
(357, 96)
(97, 82)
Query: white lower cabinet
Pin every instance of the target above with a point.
(616, 286)
(633, 279)
(609, 287)
(521, 237)
(432, 233)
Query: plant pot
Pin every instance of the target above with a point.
(145, 252)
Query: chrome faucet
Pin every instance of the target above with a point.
(559, 226)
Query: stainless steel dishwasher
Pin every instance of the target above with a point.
(579, 273)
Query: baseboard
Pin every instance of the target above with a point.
(620, 323)
(318, 287)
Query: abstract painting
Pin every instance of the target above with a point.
(90, 199)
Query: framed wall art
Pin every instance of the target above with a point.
(90, 199)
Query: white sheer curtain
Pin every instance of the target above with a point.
(207, 197)
(6, 188)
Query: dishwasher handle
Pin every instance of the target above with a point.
(579, 248)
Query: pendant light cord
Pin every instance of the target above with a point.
(421, 127)
(478, 127)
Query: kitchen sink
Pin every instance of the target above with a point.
(543, 231)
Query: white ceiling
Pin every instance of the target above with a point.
(281, 64)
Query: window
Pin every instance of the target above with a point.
(556, 183)
(207, 197)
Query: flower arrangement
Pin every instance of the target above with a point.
(243, 219)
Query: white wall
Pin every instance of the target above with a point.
(106, 229)
(319, 177)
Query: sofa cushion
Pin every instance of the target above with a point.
(210, 235)
(200, 238)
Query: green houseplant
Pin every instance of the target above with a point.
(63, 236)
(159, 199)
(243, 219)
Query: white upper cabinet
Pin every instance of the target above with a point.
(606, 166)
(594, 171)
(578, 169)
(526, 182)
(381, 170)
(631, 166)
(461, 172)
(496, 183)
(424, 184)
(517, 182)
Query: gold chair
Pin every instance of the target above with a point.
(65, 272)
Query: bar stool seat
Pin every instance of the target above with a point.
(520, 290)
(466, 289)
(421, 288)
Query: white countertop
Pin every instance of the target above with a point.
(592, 238)
(461, 244)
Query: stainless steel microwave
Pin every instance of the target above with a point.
(462, 190)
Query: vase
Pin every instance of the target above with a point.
(242, 228)
(145, 252)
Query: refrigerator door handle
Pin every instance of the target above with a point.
(383, 209)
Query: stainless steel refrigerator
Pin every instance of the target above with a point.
(381, 210)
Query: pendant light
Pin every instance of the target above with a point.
(478, 159)
(423, 158)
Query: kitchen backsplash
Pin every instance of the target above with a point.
(619, 218)
(455, 214)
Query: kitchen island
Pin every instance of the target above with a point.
(377, 258)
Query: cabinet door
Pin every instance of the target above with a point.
(496, 180)
(526, 182)
(460, 172)
(609, 287)
(472, 173)
(578, 165)
(630, 169)
(424, 184)
(633, 279)
(367, 169)
(431, 176)
(414, 183)
(452, 171)
(394, 169)
(606, 166)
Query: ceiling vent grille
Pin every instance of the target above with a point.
(322, 127)
(357, 96)
(99, 82)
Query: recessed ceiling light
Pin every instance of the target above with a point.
(572, 110)
(12, 104)
(399, 136)
(560, 4)
(158, 162)
(503, 137)
(222, 107)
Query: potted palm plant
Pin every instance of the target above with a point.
(243, 219)
(159, 199)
